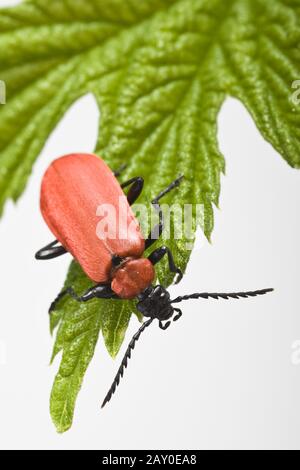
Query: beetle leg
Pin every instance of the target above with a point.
(50, 251)
(100, 291)
(159, 253)
(135, 189)
(56, 300)
(119, 170)
(157, 230)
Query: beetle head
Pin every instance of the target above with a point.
(154, 302)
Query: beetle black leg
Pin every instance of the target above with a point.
(135, 189)
(50, 251)
(157, 230)
(100, 291)
(159, 253)
(119, 170)
(164, 326)
(58, 298)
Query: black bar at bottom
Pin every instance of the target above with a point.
(137, 458)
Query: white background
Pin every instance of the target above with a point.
(222, 377)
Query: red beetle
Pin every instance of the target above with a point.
(74, 190)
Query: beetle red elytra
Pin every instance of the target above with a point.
(72, 189)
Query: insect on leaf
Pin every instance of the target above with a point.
(160, 71)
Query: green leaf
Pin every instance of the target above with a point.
(78, 330)
(77, 336)
(160, 71)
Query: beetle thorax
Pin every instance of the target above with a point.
(132, 277)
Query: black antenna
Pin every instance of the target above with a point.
(233, 295)
(124, 362)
